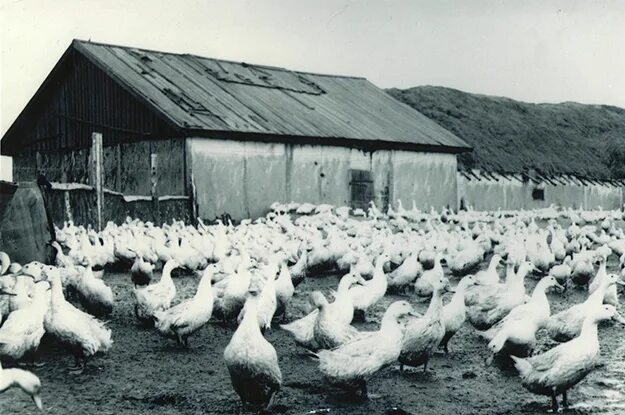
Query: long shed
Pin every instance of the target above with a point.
(183, 135)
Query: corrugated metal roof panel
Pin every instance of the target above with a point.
(207, 94)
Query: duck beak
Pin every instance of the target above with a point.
(415, 314)
(620, 282)
(38, 403)
(560, 287)
(5, 291)
(619, 318)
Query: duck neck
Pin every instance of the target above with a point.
(589, 332)
(597, 296)
(343, 287)
(284, 276)
(390, 326)
(436, 304)
(492, 267)
(539, 296)
(250, 318)
(205, 288)
(379, 268)
(457, 299)
(39, 300)
(88, 272)
(56, 295)
(518, 282)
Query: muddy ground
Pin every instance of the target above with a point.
(147, 374)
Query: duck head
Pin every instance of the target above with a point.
(465, 282)
(382, 259)
(496, 344)
(606, 312)
(53, 276)
(525, 268)
(551, 281)
(33, 270)
(441, 285)
(399, 309)
(14, 268)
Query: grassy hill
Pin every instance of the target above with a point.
(510, 136)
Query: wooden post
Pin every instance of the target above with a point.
(96, 175)
(118, 156)
(154, 187)
(190, 190)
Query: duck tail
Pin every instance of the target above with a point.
(522, 365)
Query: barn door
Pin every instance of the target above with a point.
(362, 188)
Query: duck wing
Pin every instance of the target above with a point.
(545, 361)
(303, 329)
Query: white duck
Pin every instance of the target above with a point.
(424, 286)
(555, 371)
(423, 335)
(341, 308)
(567, 324)
(517, 331)
(94, 295)
(23, 329)
(155, 297)
(252, 361)
(329, 332)
(82, 334)
(370, 292)
(284, 290)
(454, 313)
(23, 379)
(350, 365)
(611, 294)
(405, 274)
(184, 319)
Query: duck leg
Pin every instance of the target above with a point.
(359, 315)
(33, 359)
(179, 339)
(425, 365)
(363, 389)
(565, 401)
(554, 401)
(271, 402)
(80, 366)
(76, 364)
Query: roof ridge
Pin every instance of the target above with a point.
(256, 65)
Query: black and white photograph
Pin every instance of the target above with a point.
(312, 207)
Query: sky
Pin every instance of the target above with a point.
(536, 51)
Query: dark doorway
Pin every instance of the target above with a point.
(362, 188)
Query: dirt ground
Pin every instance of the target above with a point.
(147, 374)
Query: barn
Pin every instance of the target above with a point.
(529, 155)
(162, 135)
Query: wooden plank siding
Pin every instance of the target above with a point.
(83, 99)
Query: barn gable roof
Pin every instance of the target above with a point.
(202, 96)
